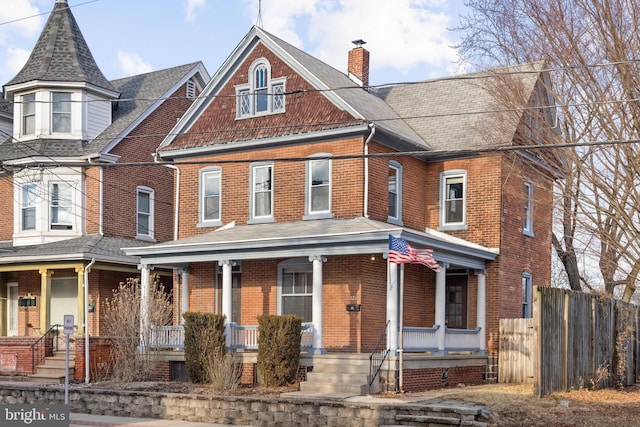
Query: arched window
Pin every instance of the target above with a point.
(262, 94)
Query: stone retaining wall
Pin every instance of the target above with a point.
(259, 411)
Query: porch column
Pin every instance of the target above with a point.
(80, 320)
(227, 297)
(45, 298)
(145, 292)
(392, 307)
(184, 279)
(316, 308)
(481, 321)
(441, 302)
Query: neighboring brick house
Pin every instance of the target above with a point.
(68, 204)
(293, 176)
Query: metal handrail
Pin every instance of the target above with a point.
(379, 355)
(44, 346)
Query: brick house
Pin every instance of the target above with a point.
(69, 206)
(294, 175)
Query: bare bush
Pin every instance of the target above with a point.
(224, 373)
(131, 361)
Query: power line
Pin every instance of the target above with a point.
(44, 13)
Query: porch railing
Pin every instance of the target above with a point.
(377, 358)
(416, 339)
(462, 339)
(242, 337)
(164, 337)
(45, 346)
(246, 337)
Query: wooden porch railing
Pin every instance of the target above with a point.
(418, 340)
(165, 337)
(242, 337)
(462, 340)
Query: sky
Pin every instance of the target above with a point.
(409, 40)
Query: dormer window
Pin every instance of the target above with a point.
(262, 94)
(61, 112)
(29, 114)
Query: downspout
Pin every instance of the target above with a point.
(177, 197)
(86, 319)
(365, 207)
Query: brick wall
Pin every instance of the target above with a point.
(100, 359)
(6, 208)
(15, 355)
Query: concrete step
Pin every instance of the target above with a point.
(59, 360)
(53, 370)
(337, 377)
(330, 387)
(49, 378)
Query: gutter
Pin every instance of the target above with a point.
(176, 202)
(86, 319)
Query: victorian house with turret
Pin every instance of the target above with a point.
(71, 197)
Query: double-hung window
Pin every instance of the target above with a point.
(61, 112)
(526, 295)
(297, 293)
(29, 114)
(527, 226)
(210, 200)
(395, 193)
(262, 94)
(145, 213)
(262, 192)
(452, 195)
(318, 191)
(61, 206)
(28, 209)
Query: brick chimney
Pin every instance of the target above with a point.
(358, 66)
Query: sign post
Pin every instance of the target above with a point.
(68, 330)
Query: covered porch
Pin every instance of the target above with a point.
(344, 269)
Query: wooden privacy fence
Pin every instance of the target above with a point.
(574, 340)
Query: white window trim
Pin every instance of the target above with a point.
(253, 219)
(297, 265)
(248, 88)
(444, 177)
(324, 214)
(527, 226)
(50, 206)
(527, 294)
(70, 113)
(24, 206)
(146, 190)
(42, 232)
(398, 218)
(23, 104)
(202, 221)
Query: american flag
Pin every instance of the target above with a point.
(401, 252)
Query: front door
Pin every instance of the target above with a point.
(12, 309)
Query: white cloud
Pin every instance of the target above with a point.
(192, 6)
(16, 58)
(20, 18)
(402, 35)
(131, 64)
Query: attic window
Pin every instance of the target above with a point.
(262, 94)
(191, 89)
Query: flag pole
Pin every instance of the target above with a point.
(401, 322)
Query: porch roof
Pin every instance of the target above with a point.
(308, 238)
(102, 248)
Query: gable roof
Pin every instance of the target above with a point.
(61, 54)
(336, 86)
(141, 95)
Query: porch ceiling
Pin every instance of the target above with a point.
(308, 238)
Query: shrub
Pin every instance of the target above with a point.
(204, 344)
(131, 361)
(279, 349)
